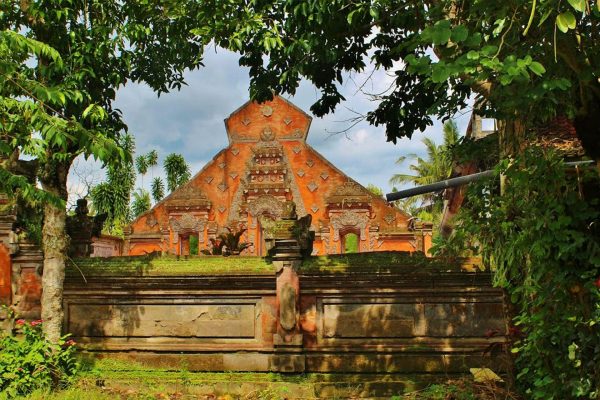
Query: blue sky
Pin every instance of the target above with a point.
(190, 122)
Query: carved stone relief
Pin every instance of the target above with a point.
(297, 198)
(151, 221)
(186, 198)
(389, 218)
(267, 111)
(349, 219)
(267, 134)
(266, 204)
(187, 223)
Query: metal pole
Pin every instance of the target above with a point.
(453, 182)
(435, 187)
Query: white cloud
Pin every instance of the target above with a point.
(190, 121)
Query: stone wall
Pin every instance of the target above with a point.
(20, 271)
(406, 319)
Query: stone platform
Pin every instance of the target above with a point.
(321, 316)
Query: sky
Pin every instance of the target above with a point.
(190, 122)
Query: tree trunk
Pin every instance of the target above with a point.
(55, 244)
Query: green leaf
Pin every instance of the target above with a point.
(473, 55)
(578, 5)
(440, 73)
(441, 32)
(374, 13)
(537, 68)
(565, 21)
(459, 33)
(545, 17)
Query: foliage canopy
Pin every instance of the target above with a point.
(525, 60)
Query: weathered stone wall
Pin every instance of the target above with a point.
(404, 319)
(20, 271)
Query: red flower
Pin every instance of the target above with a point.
(70, 342)
(20, 322)
(597, 283)
(36, 322)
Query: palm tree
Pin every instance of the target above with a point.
(141, 202)
(158, 189)
(152, 160)
(177, 170)
(435, 167)
(141, 164)
(112, 196)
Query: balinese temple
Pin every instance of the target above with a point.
(267, 166)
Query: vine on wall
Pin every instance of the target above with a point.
(542, 239)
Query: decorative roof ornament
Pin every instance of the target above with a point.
(267, 111)
(267, 134)
(349, 194)
(187, 197)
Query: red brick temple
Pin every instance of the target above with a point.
(267, 166)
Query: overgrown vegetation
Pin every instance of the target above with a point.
(542, 238)
(28, 362)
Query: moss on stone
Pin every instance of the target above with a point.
(386, 261)
(170, 266)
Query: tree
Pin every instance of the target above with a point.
(158, 189)
(152, 160)
(59, 82)
(376, 190)
(141, 165)
(525, 61)
(112, 197)
(177, 170)
(436, 167)
(141, 202)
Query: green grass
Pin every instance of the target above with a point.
(374, 262)
(385, 261)
(170, 266)
(110, 378)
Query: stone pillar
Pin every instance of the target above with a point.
(287, 341)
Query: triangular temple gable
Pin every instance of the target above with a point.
(279, 118)
(267, 167)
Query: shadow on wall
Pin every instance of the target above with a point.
(407, 333)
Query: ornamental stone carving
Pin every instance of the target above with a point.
(267, 134)
(349, 219)
(266, 205)
(187, 223)
(349, 193)
(187, 198)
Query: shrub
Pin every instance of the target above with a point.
(542, 239)
(28, 362)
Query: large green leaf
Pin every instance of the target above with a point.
(565, 21)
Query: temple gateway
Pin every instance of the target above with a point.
(267, 168)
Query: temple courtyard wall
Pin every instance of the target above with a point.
(385, 313)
